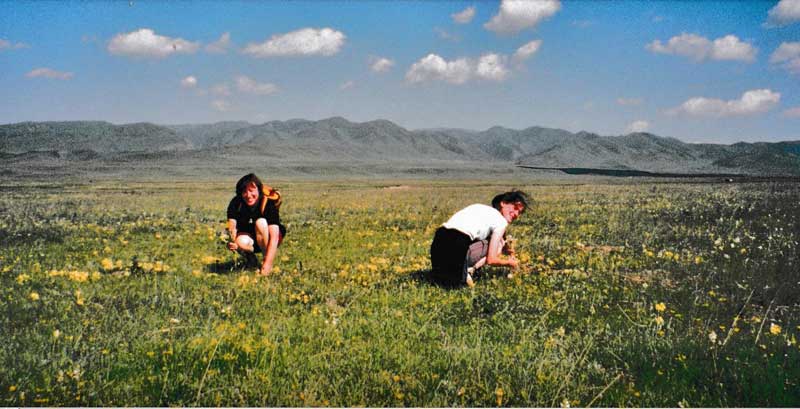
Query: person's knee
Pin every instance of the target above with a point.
(244, 241)
(262, 229)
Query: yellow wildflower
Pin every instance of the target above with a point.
(499, 394)
(659, 321)
(34, 296)
(56, 333)
(107, 264)
(774, 329)
(661, 307)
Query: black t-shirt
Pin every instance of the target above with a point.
(246, 216)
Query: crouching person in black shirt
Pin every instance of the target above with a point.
(254, 223)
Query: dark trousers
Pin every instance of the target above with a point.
(448, 256)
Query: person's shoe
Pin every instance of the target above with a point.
(468, 279)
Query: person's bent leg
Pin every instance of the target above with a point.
(245, 242)
(447, 256)
(475, 259)
(268, 236)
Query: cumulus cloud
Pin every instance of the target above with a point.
(303, 42)
(146, 43)
(787, 55)
(699, 48)
(784, 13)
(381, 64)
(629, 101)
(432, 67)
(8, 45)
(527, 50)
(189, 82)
(49, 73)
(248, 85)
(751, 102)
(464, 16)
(492, 67)
(220, 46)
(517, 15)
(221, 105)
(638, 126)
(792, 112)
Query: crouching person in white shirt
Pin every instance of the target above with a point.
(474, 237)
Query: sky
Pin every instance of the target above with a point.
(699, 71)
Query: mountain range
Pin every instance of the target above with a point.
(342, 143)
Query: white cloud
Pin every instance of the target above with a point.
(464, 16)
(629, 101)
(248, 85)
(346, 85)
(189, 82)
(434, 67)
(687, 45)
(699, 48)
(788, 56)
(49, 73)
(792, 112)
(492, 67)
(146, 43)
(303, 42)
(638, 126)
(221, 90)
(517, 15)
(220, 46)
(8, 45)
(785, 12)
(527, 50)
(731, 48)
(381, 64)
(751, 102)
(221, 105)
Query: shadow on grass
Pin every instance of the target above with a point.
(425, 276)
(234, 265)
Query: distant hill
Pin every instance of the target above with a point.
(340, 143)
(100, 137)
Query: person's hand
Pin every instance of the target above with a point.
(265, 270)
(513, 262)
(232, 246)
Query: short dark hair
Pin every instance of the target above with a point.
(247, 179)
(514, 196)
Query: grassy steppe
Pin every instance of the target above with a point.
(649, 294)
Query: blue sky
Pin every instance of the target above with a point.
(698, 71)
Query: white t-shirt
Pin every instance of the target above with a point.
(477, 221)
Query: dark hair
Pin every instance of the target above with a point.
(247, 179)
(514, 196)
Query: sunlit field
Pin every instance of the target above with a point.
(634, 294)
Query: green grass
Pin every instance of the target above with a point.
(667, 294)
